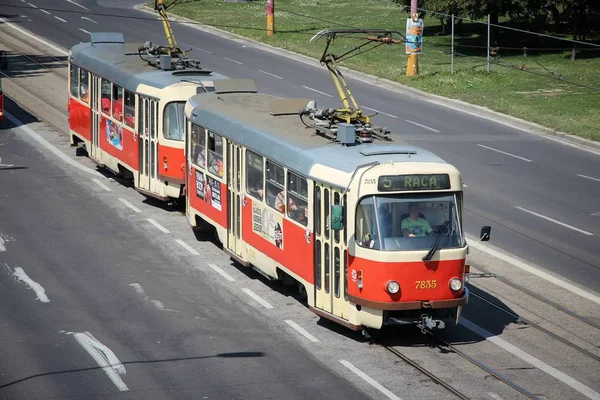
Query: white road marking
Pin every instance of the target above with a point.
(465, 185)
(495, 396)
(535, 271)
(187, 247)
(256, 297)
(105, 358)
(232, 60)
(2, 246)
(42, 10)
(377, 111)
(157, 303)
(503, 152)
(589, 177)
(317, 91)
(268, 73)
(33, 5)
(89, 19)
(83, 30)
(369, 380)
(159, 226)
(60, 19)
(301, 330)
(528, 358)
(421, 125)
(79, 5)
(128, 204)
(555, 221)
(36, 287)
(102, 185)
(222, 273)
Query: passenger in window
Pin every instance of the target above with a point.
(414, 225)
(105, 104)
(199, 156)
(297, 213)
(215, 164)
(85, 96)
(118, 109)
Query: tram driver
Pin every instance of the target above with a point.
(415, 224)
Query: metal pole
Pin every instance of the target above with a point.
(488, 46)
(452, 55)
(270, 17)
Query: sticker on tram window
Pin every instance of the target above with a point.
(389, 183)
(430, 284)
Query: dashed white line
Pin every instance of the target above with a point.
(79, 5)
(102, 185)
(44, 11)
(83, 30)
(128, 204)
(222, 273)
(465, 185)
(494, 396)
(256, 297)
(317, 91)
(2, 245)
(187, 247)
(232, 60)
(105, 358)
(33, 5)
(36, 287)
(369, 380)
(159, 226)
(89, 19)
(588, 177)
(503, 152)
(60, 19)
(528, 358)
(555, 221)
(268, 73)
(301, 330)
(378, 112)
(421, 125)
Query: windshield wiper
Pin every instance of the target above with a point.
(436, 244)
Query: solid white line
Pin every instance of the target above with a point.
(222, 273)
(495, 396)
(588, 177)
(377, 111)
(503, 152)
(72, 2)
(256, 297)
(60, 19)
(555, 221)
(102, 185)
(33, 5)
(301, 330)
(421, 125)
(537, 272)
(105, 359)
(83, 30)
(317, 91)
(42, 10)
(27, 33)
(2, 246)
(36, 287)
(159, 226)
(268, 73)
(528, 358)
(369, 380)
(89, 19)
(187, 247)
(128, 204)
(232, 60)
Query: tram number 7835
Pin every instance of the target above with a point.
(426, 284)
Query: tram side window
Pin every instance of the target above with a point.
(366, 224)
(174, 121)
(254, 175)
(117, 103)
(215, 154)
(106, 94)
(84, 93)
(129, 109)
(275, 186)
(74, 81)
(297, 198)
(199, 146)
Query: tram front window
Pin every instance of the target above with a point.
(408, 223)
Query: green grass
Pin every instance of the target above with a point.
(535, 96)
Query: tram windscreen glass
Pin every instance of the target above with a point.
(392, 183)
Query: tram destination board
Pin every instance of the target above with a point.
(392, 183)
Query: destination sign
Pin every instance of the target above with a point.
(391, 183)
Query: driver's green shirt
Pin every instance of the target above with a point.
(420, 227)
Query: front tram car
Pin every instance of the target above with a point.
(372, 232)
(126, 106)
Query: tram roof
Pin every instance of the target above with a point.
(110, 61)
(247, 119)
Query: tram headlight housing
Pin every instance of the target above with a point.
(456, 284)
(393, 287)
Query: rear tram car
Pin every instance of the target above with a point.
(372, 232)
(126, 105)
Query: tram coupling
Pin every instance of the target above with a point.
(428, 324)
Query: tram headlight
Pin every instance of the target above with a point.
(455, 284)
(393, 287)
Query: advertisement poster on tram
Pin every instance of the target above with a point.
(200, 184)
(214, 197)
(268, 223)
(114, 134)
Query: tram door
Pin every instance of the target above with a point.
(147, 142)
(94, 150)
(330, 254)
(234, 206)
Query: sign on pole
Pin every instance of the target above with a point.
(414, 35)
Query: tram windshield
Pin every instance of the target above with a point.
(409, 222)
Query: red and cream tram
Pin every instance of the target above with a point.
(126, 106)
(372, 232)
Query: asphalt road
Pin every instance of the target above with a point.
(539, 195)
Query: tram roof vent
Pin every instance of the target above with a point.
(287, 106)
(235, 86)
(346, 134)
(107, 37)
(380, 152)
(165, 62)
